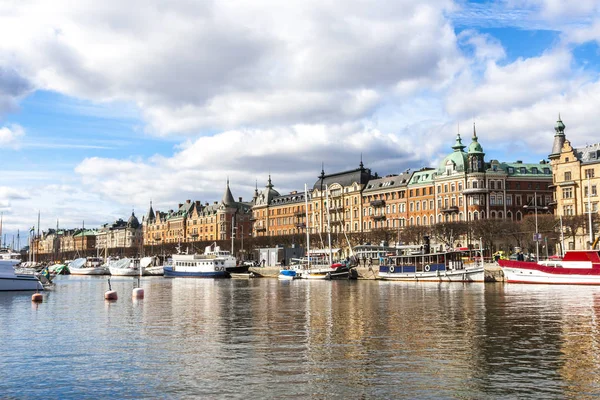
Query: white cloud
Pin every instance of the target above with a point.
(11, 135)
(225, 64)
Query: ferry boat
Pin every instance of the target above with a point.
(578, 267)
(11, 281)
(454, 265)
(214, 263)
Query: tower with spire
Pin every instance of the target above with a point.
(559, 139)
(475, 154)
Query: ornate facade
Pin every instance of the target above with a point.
(576, 177)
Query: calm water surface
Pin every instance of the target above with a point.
(265, 338)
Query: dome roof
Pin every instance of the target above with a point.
(133, 222)
(455, 161)
(475, 147)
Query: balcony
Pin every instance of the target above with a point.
(378, 203)
(301, 225)
(475, 191)
(451, 209)
(261, 229)
(299, 214)
(378, 217)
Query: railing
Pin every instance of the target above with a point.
(377, 203)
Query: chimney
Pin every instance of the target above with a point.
(206, 204)
(198, 203)
(180, 204)
(240, 199)
(216, 202)
(188, 201)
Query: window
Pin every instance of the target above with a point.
(567, 193)
(568, 176)
(460, 187)
(493, 185)
(568, 210)
(589, 173)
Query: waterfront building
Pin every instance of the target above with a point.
(385, 201)
(344, 191)
(274, 214)
(576, 173)
(120, 235)
(194, 221)
(464, 187)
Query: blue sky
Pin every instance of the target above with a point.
(105, 107)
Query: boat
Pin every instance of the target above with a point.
(8, 254)
(125, 267)
(11, 281)
(318, 266)
(88, 266)
(214, 263)
(452, 265)
(577, 267)
(152, 266)
(290, 273)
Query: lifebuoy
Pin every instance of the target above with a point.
(392, 268)
(427, 268)
(217, 269)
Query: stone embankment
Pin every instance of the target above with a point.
(493, 273)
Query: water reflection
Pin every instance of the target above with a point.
(271, 339)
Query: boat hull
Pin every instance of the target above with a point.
(170, 273)
(20, 283)
(476, 274)
(124, 272)
(89, 271)
(557, 276)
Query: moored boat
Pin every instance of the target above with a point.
(88, 266)
(214, 263)
(11, 281)
(454, 265)
(125, 267)
(578, 267)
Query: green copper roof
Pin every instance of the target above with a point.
(475, 147)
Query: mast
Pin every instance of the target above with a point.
(232, 232)
(307, 225)
(328, 226)
(562, 237)
(590, 212)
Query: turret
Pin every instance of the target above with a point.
(559, 139)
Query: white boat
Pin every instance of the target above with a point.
(125, 267)
(214, 263)
(454, 265)
(8, 254)
(578, 267)
(290, 273)
(11, 281)
(87, 266)
(151, 266)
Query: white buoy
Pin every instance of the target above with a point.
(138, 293)
(37, 298)
(110, 294)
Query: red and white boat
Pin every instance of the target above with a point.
(578, 267)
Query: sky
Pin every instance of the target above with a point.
(106, 106)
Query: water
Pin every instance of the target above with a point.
(264, 338)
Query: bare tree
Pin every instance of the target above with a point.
(448, 232)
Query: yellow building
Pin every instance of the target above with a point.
(575, 180)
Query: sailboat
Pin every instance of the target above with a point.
(318, 264)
